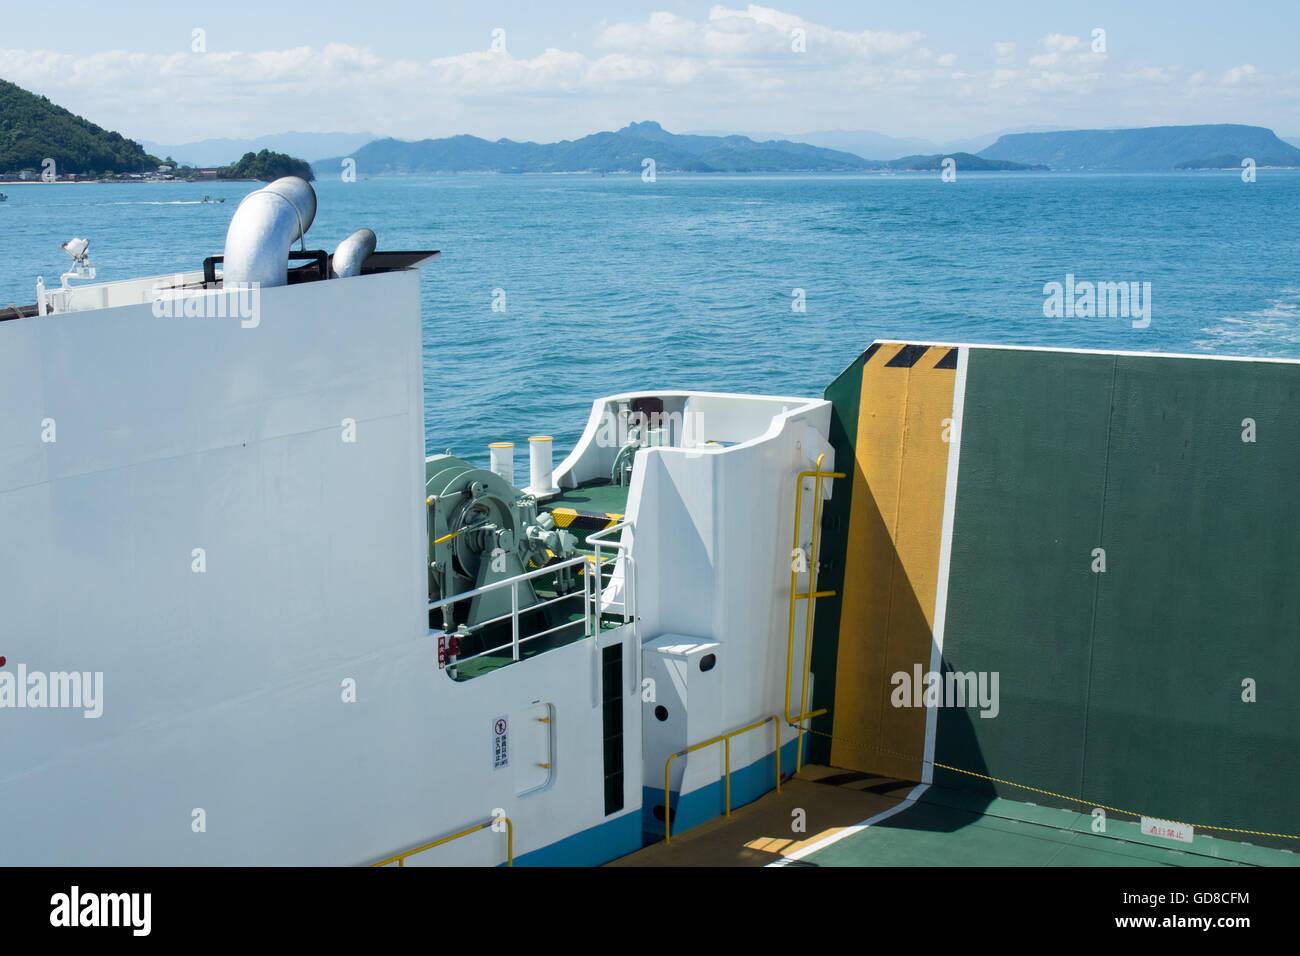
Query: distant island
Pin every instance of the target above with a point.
(1215, 146)
(34, 132)
(966, 162)
(266, 166)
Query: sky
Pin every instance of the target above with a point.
(558, 70)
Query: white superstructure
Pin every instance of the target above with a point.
(225, 521)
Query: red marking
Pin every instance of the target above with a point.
(2, 662)
(500, 727)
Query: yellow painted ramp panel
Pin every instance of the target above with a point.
(892, 560)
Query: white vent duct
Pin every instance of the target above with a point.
(263, 230)
(351, 253)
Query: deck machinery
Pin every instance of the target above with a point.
(483, 530)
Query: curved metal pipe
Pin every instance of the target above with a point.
(263, 230)
(351, 253)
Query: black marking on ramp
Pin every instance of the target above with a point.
(948, 361)
(907, 356)
(842, 779)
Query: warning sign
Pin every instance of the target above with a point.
(1167, 829)
(500, 743)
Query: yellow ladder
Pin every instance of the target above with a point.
(810, 596)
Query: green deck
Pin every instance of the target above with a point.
(503, 658)
(946, 829)
(592, 496)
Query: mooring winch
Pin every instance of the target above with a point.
(482, 529)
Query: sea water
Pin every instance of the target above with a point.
(553, 290)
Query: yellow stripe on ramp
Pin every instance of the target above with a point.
(892, 558)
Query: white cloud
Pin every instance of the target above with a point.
(1237, 74)
(735, 69)
(1065, 53)
(1160, 75)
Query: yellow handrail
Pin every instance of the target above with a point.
(810, 596)
(510, 843)
(726, 739)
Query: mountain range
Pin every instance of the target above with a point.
(627, 149)
(32, 129)
(1217, 146)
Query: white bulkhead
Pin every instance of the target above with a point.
(225, 522)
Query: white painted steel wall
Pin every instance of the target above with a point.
(223, 690)
(711, 537)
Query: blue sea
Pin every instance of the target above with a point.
(612, 284)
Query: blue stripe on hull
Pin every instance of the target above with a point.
(600, 844)
(631, 831)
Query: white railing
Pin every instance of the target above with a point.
(592, 595)
(513, 584)
(629, 569)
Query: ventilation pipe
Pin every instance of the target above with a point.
(351, 253)
(263, 230)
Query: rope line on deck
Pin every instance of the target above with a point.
(1050, 793)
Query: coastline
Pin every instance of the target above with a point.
(122, 182)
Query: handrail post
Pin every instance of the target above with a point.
(627, 583)
(514, 618)
(586, 605)
(599, 597)
(777, 725)
(667, 810)
(726, 745)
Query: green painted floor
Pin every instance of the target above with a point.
(479, 666)
(597, 495)
(947, 828)
(951, 829)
